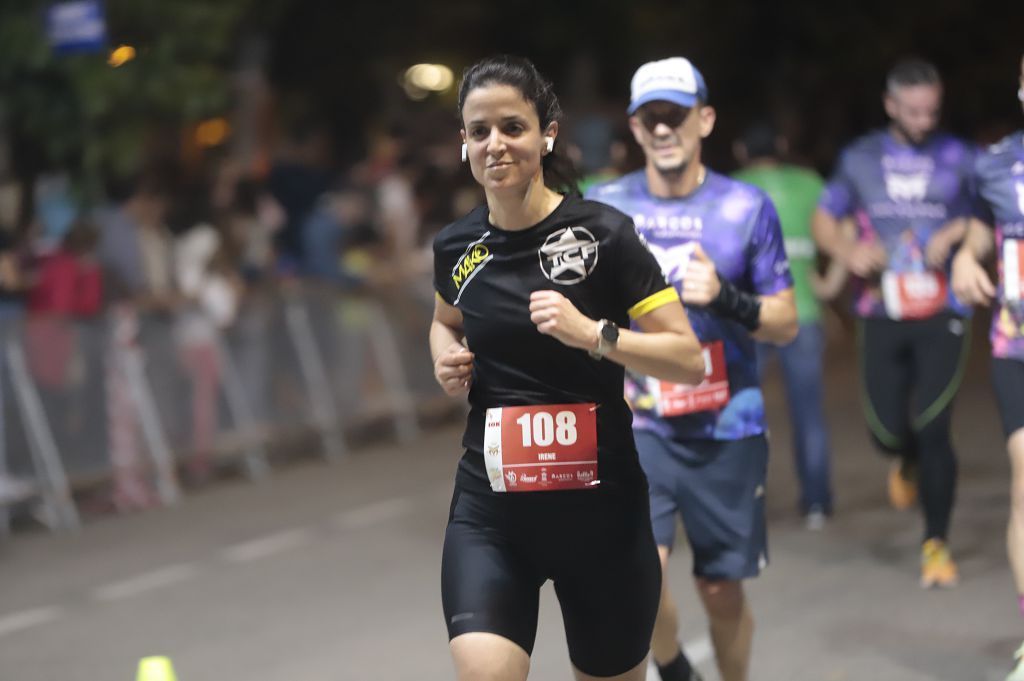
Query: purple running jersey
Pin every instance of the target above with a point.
(736, 225)
(999, 175)
(900, 195)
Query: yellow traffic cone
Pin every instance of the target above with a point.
(156, 668)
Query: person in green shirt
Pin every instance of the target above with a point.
(795, 192)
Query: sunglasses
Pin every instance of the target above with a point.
(672, 116)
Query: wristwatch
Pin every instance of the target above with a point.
(607, 338)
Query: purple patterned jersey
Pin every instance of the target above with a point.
(999, 174)
(900, 195)
(737, 227)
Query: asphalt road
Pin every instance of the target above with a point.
(331, 572)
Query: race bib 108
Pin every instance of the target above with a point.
(540, 448)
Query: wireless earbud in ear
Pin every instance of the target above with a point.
(550, 142)
(465, 152)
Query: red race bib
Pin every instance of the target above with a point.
(541, 448)
(914, 295)
(674, 399)
(1013, 270)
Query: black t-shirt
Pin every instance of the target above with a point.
(590, 253)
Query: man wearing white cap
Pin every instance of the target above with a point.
(703, 447)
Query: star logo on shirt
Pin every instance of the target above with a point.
(568, 255)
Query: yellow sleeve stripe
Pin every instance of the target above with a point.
(654, 301)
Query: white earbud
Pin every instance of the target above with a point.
(550, 142)
(1020, 94)
(465, 152)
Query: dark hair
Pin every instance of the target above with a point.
(559, 172)
(150, 182)
(189, 207)
(82, 238)
(761, 140)
(912, 71)
(247, 196)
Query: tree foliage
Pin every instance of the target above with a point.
(78, 113)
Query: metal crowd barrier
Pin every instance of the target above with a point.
(83, 402)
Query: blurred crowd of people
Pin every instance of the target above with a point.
(193, 247)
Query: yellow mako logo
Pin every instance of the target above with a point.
(475, 255)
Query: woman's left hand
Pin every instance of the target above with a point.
(555, 316)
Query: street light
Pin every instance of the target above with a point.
(121, 55)
(420, 80)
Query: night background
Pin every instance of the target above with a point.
(817, 68)
(221, 438)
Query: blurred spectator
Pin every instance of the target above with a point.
(433, 192)
(392, 173)
(253, 218)
(336, 238)
(11, 295)
(135, 245)
(12, 279)
(397, 212)
(593, 135)
(68, 281)
(67, 290)
(610, 165)
(207, 276)
(297, 179)
(135, 254)
(67, 286)
(336, 224)
(55, 210)
(795, 192)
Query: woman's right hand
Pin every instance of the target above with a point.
(453, 369)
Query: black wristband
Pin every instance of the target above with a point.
(737, 305)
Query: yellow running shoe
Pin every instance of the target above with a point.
(1018, 665)
(937, 566)
(902, 487)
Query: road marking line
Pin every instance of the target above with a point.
(267, 546)
(372, 514)
(698, 651)
(149, 581)
(18, 621)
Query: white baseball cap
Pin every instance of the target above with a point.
(673, 80)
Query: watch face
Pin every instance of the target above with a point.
(609, 332)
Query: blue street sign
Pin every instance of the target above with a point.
(76, 26)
